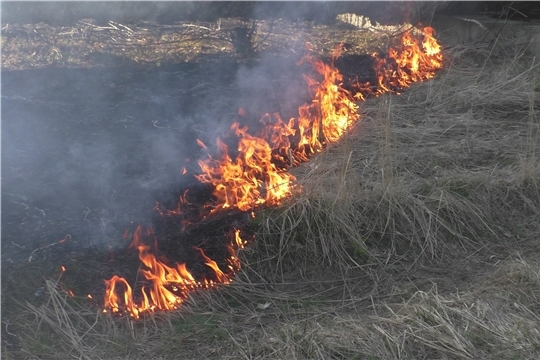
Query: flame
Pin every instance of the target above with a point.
(333, 106)
(250, 179)
(411, 61)
(257, 174)
(164, 287)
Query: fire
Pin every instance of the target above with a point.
(250, 179)
(165, 287)
(333, 108)
(411, 61)
(257, 175)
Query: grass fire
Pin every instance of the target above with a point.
(258, 174)
(328, 181)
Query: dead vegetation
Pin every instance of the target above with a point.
(87, 44)
(415, 237)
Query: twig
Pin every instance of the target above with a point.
(112, 24)
(125, 27)
(291, 158)
(87, 212)
(492, 25)
(7, 324)
(267, 35)
(509, 7)
(64, 239)
(98, 28)
(159, 127)
(41, 211)
(197, 26)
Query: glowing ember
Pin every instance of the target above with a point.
(257, 174)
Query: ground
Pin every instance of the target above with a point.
(415, 237)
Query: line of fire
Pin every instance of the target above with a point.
(256, 175)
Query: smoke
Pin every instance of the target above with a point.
(87, 148)
(86, 151)
(91, 148)
(68, 13)
(274, 85)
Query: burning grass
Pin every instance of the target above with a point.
(415, 236)
(257, 175)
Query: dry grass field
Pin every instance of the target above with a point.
(414, 237)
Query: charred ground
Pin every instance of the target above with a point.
(92, 140)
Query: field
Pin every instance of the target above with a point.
(414, 237)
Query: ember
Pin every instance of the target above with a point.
(257, 175)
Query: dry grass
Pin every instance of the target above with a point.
(428, 174)
(413, 238)
(145, 43)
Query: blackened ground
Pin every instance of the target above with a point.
(86, 153)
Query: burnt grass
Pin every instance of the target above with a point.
(108, 116)
(88, 151)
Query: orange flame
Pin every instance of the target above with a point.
(249, 180)
(165, 287)
(253, 178)
(411, 61)
(257, 174)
